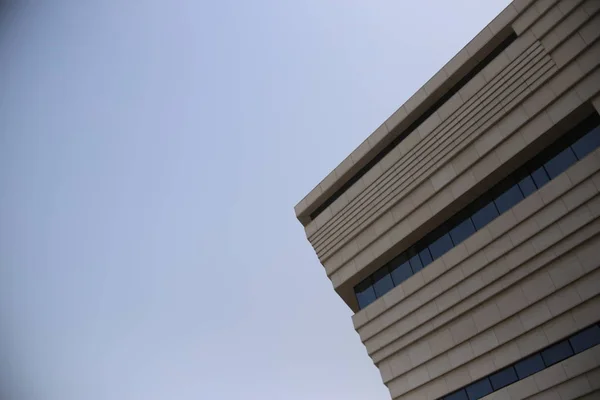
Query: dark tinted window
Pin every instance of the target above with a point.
(508, 199)
(587, 143)
(425, 257)
(440, 246)
(586, 339)
(364, 293)
(560, 162)
(540, 177)
(529, 366)
(400, 270)
(527, 186)
(557, 353)
(460, 395)
(382, 282)
(415, 262)
(503, 378)
(479, 389)
(485, 215)
(462, 231)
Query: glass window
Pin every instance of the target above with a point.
(425, 257)
(585, 339)
(529, 366)
(460, 395)
(462, 231)
(560, 162)
(415, 261)
(508, 199)
(503, 378)
(588, 143)
(365, 294)
(527, 186)
(479, 389)
(440, 246)
(400, 269)
(484, 215)
(540, 177)
(557, 352)
(382, 282)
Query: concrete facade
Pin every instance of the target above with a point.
(526, 280)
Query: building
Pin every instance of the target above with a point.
(464, 232)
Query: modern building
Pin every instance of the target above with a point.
(464, 232)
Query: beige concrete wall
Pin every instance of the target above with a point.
(529, 278)
(499, 114)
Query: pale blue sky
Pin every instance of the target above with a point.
(151, 154)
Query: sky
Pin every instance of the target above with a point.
(151, 154)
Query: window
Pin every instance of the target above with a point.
(425, 257)
(440, 246)
(479, 389)
(485, 215)
(527, 186)
(462, 231)
(415, 261)
(557, 353)
(540, 177)
(400, 269)
(364, 293)
(508, 199)
(460, 395)
(587, 143)
(382, 282)
(529, 366)
(560, 162)
(585, 339)
(503, 378)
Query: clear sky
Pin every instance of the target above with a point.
(151, 154)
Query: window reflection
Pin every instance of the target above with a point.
(527, 186)
(462, 231)
(508, 199)
(540, 177)
(415, 261)
(365, 294)
(587, 144)
(503, 378)
(479, 389)
(529, 366)
(586, 339)
(440, 246)
(400, 270)
(560, 162)
(425, 257)
(557, 353)
(485, 215)
(382, 282)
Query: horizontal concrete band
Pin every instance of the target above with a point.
(540, 99)
(527, 220)
(467, 56)
(499, 300)
(552, 110)
(468, 91)
(528, 130)
(424, 152)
